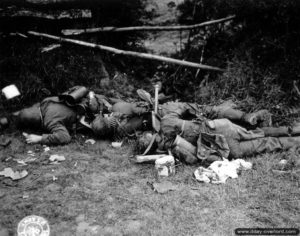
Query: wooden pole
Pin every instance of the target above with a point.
(144, 28)
(156, 87)
(126, 53)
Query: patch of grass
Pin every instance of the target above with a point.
(114, 194)
(276, 200)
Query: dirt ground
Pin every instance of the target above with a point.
(99, 190)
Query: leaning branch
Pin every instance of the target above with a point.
(144, 28)
(126, 53)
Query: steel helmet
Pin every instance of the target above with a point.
(103, 126)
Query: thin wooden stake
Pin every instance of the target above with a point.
(144, 28)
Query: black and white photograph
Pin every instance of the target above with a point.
(149, 117)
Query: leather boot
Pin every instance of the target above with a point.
(295, 129)
(289, 142)
(184, 155)
(277, 132)
(262, 116)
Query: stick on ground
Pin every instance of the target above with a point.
(126, 53)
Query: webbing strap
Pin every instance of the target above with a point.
(150, 144)
(182, 128)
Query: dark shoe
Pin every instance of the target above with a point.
(261, 117)
(295, 129)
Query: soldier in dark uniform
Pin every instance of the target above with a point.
(58, 115)
(217, 138)
(130, 117)
(52, 116)
(124, 120)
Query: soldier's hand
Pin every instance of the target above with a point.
(32, 138)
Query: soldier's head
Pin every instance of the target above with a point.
(104, 126)
(30, 118)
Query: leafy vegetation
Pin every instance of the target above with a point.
(260, 49)
(39, 74)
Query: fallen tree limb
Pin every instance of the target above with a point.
(50, 47)
(144, 28)
(18, 34)
(126, 53)
(50, 15)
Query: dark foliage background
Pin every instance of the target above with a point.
(260, 48)
(39, 75)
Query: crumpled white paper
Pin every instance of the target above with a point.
(14, 175)
(219, 171)
(90, 141)
(57, 158)
(116, 144)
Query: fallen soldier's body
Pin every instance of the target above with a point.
(127, 118)
(52, 116)
(57, 117)
(216, 139)
(124, 120)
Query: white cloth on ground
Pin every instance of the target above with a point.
(219, 171)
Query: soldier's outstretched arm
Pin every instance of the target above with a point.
(58, 135)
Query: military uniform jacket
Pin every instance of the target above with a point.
(57, 119)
